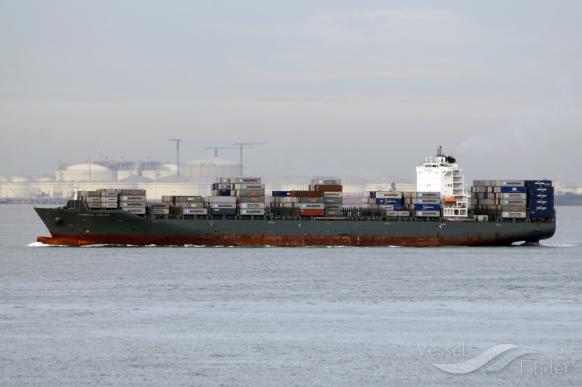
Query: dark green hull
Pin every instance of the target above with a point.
(74, 228)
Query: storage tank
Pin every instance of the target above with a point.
(86, 172)
(212, 167)
(156, 171)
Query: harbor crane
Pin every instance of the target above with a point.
(241, 146)
(177, 141)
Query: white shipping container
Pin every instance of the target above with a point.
(108, 192)
(403, 213)
(249, 186)
(109, 205)
(192, 205)
(251, 199)
(283, 205)
(431, 214)
(195, 211)
(311, 206)
(324, 181)
(132, 204)
(519, 215)
(388, 195)
(514, 202)
(428, 195)
(251, 211)
(129, 198)
(252, 205)
(244, 180)
(512, 183)
(332, 200)
(223, 205)
(332, 195)
(221, 199)
(514, 196)
(108, 199)
(92, 199)
(426, 201)
(285, 199)
(391, 213)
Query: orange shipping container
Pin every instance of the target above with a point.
(449, 200)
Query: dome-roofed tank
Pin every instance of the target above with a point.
(86, 172)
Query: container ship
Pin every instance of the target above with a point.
(442, 211)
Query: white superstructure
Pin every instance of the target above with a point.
(442, 174)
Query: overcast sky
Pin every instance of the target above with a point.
(364, 88)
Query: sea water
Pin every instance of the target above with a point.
(296, 316)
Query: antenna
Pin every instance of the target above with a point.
(216, 148)
(177, 141)
(241, 146)
(440, 151)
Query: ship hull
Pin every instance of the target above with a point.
(72, 228)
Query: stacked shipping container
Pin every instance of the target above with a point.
(499, 198)
(324, 198)
(540, 199)
(332, 190)
(129, 200)
(244, 196)
(185, 205)
(494, 199)
(389, 203)
(133, 201)
(426, 204)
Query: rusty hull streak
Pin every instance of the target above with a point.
(266, 240)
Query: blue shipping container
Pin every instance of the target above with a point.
(427, 207)
(541, 190)
(513, 190)
(399, 207)
(542, 203)
(224, 192)
(388, 201)
(538, 183)
(373, 194)
(281, 194)
(535, 195)
(215, 185)
(541, 214)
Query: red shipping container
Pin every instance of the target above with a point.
(328, 188)
(311, 212)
